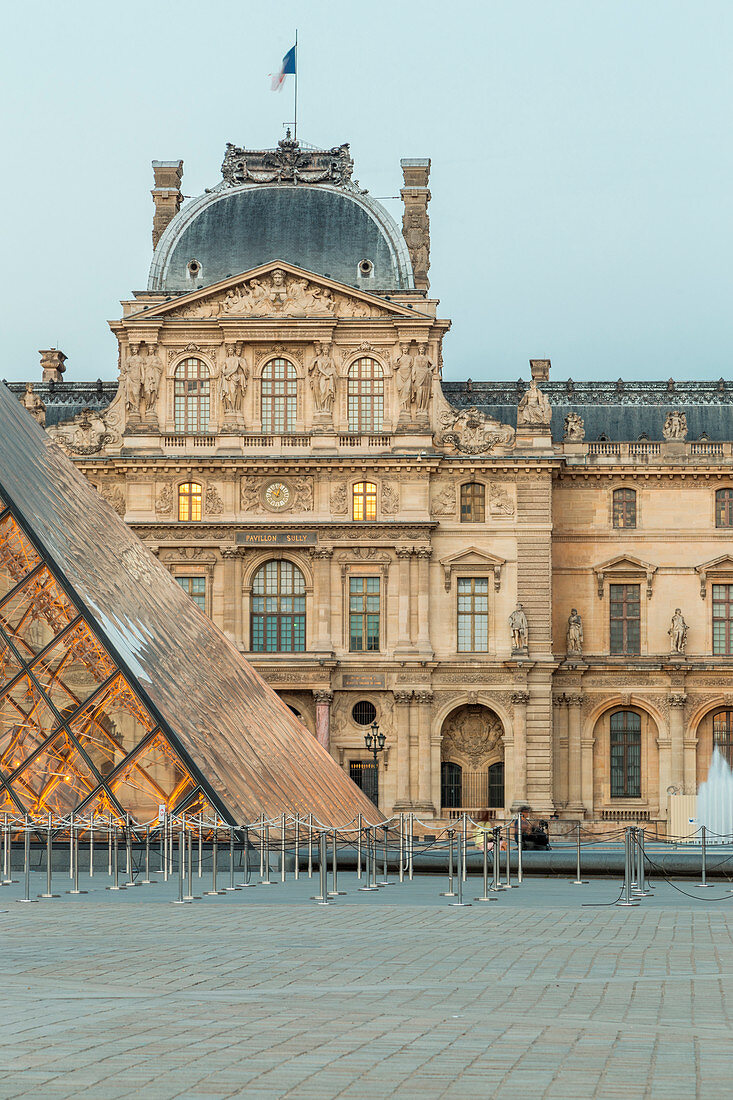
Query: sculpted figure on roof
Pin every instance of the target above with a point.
(534, 408)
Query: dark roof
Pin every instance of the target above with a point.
(249, 751)
(620, 411)
(64, 400)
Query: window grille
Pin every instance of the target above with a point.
(191, 397)
(625, 614)
(365, 394)
(625, 754)
(279, 397)
(624, 508)
(473, 502)
(364, 608)
(278, 609)
(473, 614)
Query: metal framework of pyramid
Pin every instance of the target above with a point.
(117, 694)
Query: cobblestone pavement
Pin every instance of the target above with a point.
(549, 992)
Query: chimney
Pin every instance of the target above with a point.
(540, 369)
(415, 221)
(167, 176)
(53, 363)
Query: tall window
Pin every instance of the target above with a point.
(195, 587)
(278, 609)
(625, 618)
(724, 508)
(473, 614)
(189, 502)
(279, 396)
(451, 785)
(364, 501)
(473, 502)
(191, 397)
(723, 734)
(365, 396)
(366, 776)
(364, 614)
(625, 754)
(723, 620)
(624, 508)
(496, 784)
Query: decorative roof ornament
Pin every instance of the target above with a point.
(289, 163)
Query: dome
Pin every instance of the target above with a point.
(330, 228)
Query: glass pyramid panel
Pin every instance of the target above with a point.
(10, 666)
(99, 810)
(112, 724)
(17, 556)
(73, 668)
(26, 720)
(56, 780)
(34, 614)
(197, 803)
(154, 777)
(7, 806)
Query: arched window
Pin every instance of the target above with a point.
(278, 609)
(625, 754)
(724, 508)
(723, 734)
(473, 502)
(496, 784)
(451, 785)
(191, 397)
(364, 501)
(189, 502)
(279, 397)
(365, 396)
(624, 508)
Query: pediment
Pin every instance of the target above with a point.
(716, 568)
(625, 566)
(472, 558)
(275, 289)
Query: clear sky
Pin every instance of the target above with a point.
(582, 163)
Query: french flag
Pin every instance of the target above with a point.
(287, 67)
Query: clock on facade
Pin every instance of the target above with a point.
(277, 494)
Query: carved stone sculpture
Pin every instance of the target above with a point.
(422, 379)
(233, 383)
(115, 497)
(390, 499)
(403, 380)
(574, 428)
(134, 367)
(86, 434)
(519, 628)
(164, 500)
(472, 732)
(675, 426)
(534, 408)
(472, 432)
(303, 494)
(322, 373)
(339, 500)
(289, 163)
(214, 503)
(250, 495)
(500, 501)
(678, 632)
(575, 632)
(444, 500)
(33, 403)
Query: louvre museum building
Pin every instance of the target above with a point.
(527, 585)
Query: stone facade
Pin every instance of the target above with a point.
(278, 393)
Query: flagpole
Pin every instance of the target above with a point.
(295, 111)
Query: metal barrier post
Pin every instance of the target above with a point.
(641, 890)
(385, 858)
(71, 848)
(322, 898)
(464, 830)
(282, 848)
(334, 892)
(626, 892)
(485, 869)
(450, 893)
(75, 858)
(201, 844)
(49, 861)
(115, 867)
(508, 882)
(519, 848)
(245, 859)
(369, 884)
(266, 841)
(109, 845)
(231, 885)
(164, 846)
(189, 862)
(703, 884)
(262, 847)
(91, 846)
(214, 860)
(411, 842)
(358, 847)
(27, 899)
(128, 843)
(579, 880)
(402, 847)
(496, 864)
(296, 869)
(310, 845)
(5, 849)
(180, 900)
(460, 903)
(147, 881)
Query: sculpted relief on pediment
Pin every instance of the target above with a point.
(472, 432)
(278, 294)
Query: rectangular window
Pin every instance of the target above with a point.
(364, 614)
(624, 508)
(723, 620)
(473, 615)
(625, 611)
(473, 502)
(625, 755)
(195, 587)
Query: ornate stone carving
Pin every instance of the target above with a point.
(324, 697)
(675, 426)
(86, 434)
(214, 503)
(164, 500)
(520, 698)
(443, 499)
(678, 632)
(303, 494)
(250, 495)
(33, 403)
(289, 163)
(423, 369)
(390, 502)
(519, 628)
(575, 633)
(322, 374)
(424, 698)
(677, 700)
(534, 409)
(501, 502)
(472, 731)
(339, 499)
(574, 428)
(472, 432)
(115, 497)
(233, 382)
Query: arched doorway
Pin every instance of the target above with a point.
(472, 760)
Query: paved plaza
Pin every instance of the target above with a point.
(547, 992)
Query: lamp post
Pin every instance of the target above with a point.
(374, 740)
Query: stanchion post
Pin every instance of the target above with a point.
(109, 845)
(626, 898)
(485, 868)
(385, 858)
(496, 865)
(641, 890)
(189, 861)
(214, 860)
(296, 868)
(245, 859)
(310, 845)
(201, 844)
(49, 861)
(334, 891)
(75, 858)
(283, 827)
(411, 866)
(147, 881)
(508, 882)
(358, 847)
(322, 898)
(91, 846)
(402, 847)
(231, 885)
(180, 900)
(266, 847)
(128, 846)
(27, 899)
(579, 880)
(459, 902)
(115, 863)
(703, 884)
(519, 848)
(450, 892)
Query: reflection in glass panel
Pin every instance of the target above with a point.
(26, 720)
(17, 556)
(7, 806)
(197, 804)
(56, 780)
(37, 613)
(100, 809)
(111, 726)
(73, 668)
(156, 777)
(10, 666)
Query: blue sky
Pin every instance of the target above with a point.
(581, 179)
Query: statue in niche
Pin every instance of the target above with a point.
(422, 378)
(678, 632)
(519, 628)
(534, 408)
(575, 632)
(151, 373)
(675, 426)
(403, 378)
(574, 428)
(134, 367)
(234, 378)
(322, 374)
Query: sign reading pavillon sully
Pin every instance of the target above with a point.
(276, 538)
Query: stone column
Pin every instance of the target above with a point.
(414, 752)
(323, 718)
(322, 600)
(231, 596)
(677, 747)
(586, 773)
(404, 642)
(424, 646)
(402, 710)
(520, 700)
(561, 751)
(575, 755)
(424, 783)
(238, 597)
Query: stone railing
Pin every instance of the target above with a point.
(646, 451)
